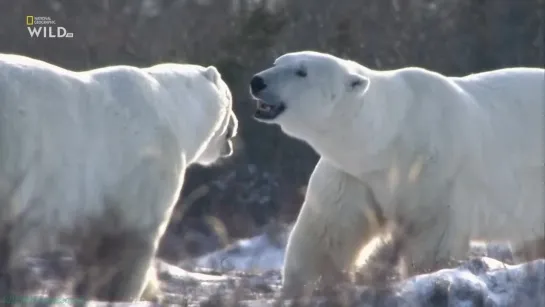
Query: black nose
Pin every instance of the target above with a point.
(257, 84)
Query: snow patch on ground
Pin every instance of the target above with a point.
(261, 253)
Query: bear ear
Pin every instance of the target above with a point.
(212, 74)
(358, 83)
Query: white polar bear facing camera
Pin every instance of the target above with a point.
(444, 159)
(96, 160)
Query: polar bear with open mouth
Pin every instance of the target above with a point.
(445, 159)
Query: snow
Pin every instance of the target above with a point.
(258, 254)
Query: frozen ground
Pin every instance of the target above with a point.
(247, 274)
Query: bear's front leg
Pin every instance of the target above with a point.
(132, 272)
(336, 220)
(144, 208)
(117, 268)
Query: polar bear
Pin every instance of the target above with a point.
(96, 160)
(443, 159)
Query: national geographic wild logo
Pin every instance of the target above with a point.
(45, 27)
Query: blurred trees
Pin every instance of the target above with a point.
(267, 177)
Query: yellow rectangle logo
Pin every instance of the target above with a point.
(29, 20)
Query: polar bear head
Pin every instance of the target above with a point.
(303, 91)
(201, 109)
(220, 144)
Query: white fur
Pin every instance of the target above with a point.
(103, 150)
(452, 158)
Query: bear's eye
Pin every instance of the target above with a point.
(356, 83)
(301, 73)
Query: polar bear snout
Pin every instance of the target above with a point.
(268, 106)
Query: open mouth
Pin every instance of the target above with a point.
(266, 111)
